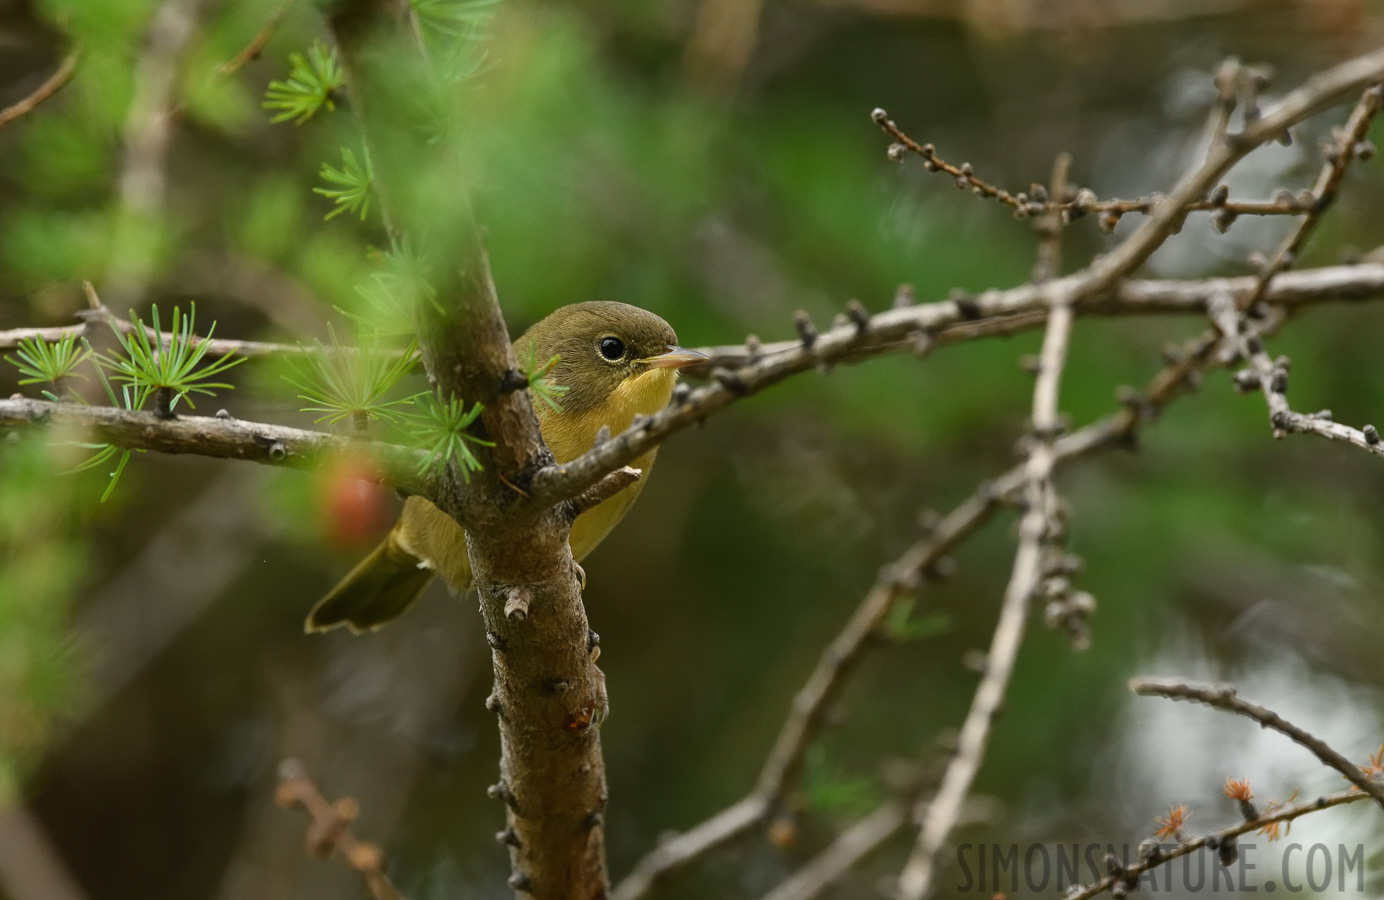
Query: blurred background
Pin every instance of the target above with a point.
(713, 161)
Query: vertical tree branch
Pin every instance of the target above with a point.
(148, 131)
(940, 815)
(548, 693)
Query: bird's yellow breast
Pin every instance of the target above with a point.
(433, 536)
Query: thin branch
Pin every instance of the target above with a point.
(1118, 429)
(554, 483)
(1271, 378)
(1319, 93)
(1048, 265)
(1085, 202)
(1225, 698)
(1227, 81)
(329, 829)
(1020, 309)
(1036, 529)
(1213, 840)
(1291, 289)
(844, 853)
(216, 347)
(897, 329)
(807, 713)
(219, 437)
(51, 86)
(253, 49)
(604, 489)
(1323, 193)
(683, 849)
(916, 879)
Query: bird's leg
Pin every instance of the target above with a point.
(580, 573)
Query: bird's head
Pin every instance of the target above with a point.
(616, 360)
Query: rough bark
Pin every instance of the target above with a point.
(548, 694)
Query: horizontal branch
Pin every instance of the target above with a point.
(895, 329)
(996, 313)
(1082, 202)
(216, 347)
(1225, 698)
(1008, 312)
(219, 437)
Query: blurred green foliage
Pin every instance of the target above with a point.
(601, 167)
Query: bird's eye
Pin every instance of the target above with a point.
(612, 348)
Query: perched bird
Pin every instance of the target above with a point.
(617, 361)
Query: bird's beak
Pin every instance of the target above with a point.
(675, 358)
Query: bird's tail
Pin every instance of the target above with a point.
(379, 588)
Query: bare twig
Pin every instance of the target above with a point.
(807, 713)
(1227, 81)
(1085, 202)
(1318, 93)
(1037, 528)
(1229, 314)
(216, 347)
(604, 489)
(1323, 193)
(220, 437)
(1215, 839)
(329, 829)
(253, 49)
(1019, 309)
(1225, 698)
(844, 853)
(51, 86)
(1090, 285)
(683, 849)
(1048, 265)
(1272, 379)
(1001, 313)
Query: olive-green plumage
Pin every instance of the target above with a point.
(616, 361)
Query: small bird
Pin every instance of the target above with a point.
(617, 361)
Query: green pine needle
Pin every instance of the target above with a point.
(540, 384)
(392, 293)
(441, 431)
(354, 182)
(351, 382)
(829, 790)
(175, 369)
(310, 87)
(455, 18)
(105, 451)
(900, 625)
(40, 361)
